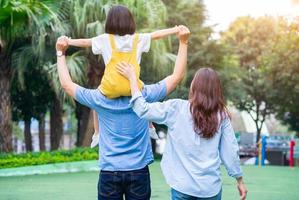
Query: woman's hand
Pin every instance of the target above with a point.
(242, 189)
(126, 70)
(183, 34)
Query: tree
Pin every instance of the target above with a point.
(248, 40)
(76, 65)
(203, 51)
(31, 99)
(19, 20)
(282, 60)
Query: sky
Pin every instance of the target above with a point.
(222, 12)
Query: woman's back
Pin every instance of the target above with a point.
(191, 163)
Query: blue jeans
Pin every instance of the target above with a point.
(176, 195)
(133, 185)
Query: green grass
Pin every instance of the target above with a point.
(268, 183)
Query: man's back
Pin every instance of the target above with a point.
(124, 140)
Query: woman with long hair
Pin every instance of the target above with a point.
(200, 137)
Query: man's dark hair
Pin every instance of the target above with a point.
(120, 21)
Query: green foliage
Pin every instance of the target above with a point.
(32, 98)
(76, 65)
(247, 41)
(264, 80)
(39, 158)
(203, 51)
(17, 131)
(282, 66)
(21, 19)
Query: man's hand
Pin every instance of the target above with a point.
(183, 34)
(62, 44)
(242, 189)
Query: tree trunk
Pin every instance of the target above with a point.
(56, 123)
(41, 133)
(83, 118)
(5, 105)
(83, 114)
(258, 134)
(258, 130)
(28, 137)
(89, 131)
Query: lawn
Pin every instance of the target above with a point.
(268, 183)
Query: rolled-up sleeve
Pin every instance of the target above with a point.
(159, 112)
(145, 42)
(97, 44)
(229, 150)
(155, 92)
(87, 97)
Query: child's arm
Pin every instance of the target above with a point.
(95, 122)
(164, 33)
(80, 42)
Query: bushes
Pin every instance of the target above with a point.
(39, 158)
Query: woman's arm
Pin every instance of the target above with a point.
(160, 113)
(164, 33)
(242, 188)
(80, 42)
(228, 149)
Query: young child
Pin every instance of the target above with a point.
(120, 43)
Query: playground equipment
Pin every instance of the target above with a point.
(261, 151)
(292, 145)
(288, 152)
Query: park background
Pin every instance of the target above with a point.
(254, 45)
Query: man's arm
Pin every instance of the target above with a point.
(164, 33)
(181, 61)
(63, 72)
(80, 42)
(179, 70)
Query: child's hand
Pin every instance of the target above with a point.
(184, 34)
(126, 70)
(176, 29)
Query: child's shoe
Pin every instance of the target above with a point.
(95, 140)
(153, 133)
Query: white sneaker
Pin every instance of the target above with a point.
(95, 140)
(153, 133)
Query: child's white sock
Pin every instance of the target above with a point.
(153, 133)
(95, 140)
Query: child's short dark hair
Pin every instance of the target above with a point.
(120, 21)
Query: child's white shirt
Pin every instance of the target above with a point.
(101, 45)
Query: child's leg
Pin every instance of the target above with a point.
(152, 131)
(95, 137)
(95, 122)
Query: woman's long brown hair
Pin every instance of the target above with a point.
(207, 104)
